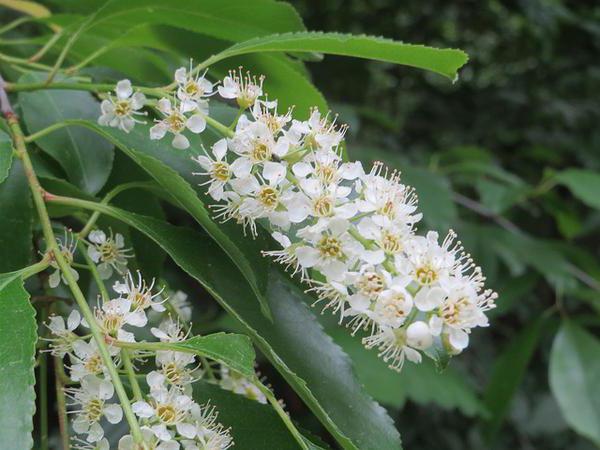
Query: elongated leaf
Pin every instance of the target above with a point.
(6, 153)
(253, 425)
(233, 350)
(294, 342)
(17, 353)
(446, 62)
(16, 216)
(574, 374)
(507, 375)
(85, 156)
(584, 184)
(175, 176)
(234, 20)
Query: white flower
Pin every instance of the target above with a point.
(139, 293)
(86, 359)
(393, 347)
(392, 307)
(64, 338)
(115, 314)
(327, 167)
(179, 301)
(234, 382)
(418, 335)
(108, 252)
(127, 442)
(102, 444)
(244, 89)
(255, 144)
(91, 401)
(387, 198)
(266, 112)
(211, 435)
(168, 407)
(319, 133)
(331, 249)
(67, 249)
(120, 112)
(287, 255)
(217, 169)
(191, 90)
(317, 199)
(176, 122)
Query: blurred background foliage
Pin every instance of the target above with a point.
(508, 156)
(492, 156)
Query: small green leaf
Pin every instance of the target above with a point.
(446, 62)
(6, 154)
(233, 350)
(507, 375)
(574, 374)
(85, 156)
(584, 184)
(17, 356)
(16, 219)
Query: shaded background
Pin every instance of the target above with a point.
(482, 154)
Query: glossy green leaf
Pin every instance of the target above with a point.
(6, 154)
(174, 173)
(16, 218)
(253, 425)
(507, 374)
(574, 373)
(233, 350)
(234, 20)
(18, 336)
(316, 368)
(446, 62)
(85, 156)
(584, 184)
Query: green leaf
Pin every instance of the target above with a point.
(253, 425)
(507, 375)
(234, 20)
(574, 374)
(584, 184)
(16, 220)
(233, 350)
(316, 368)
(17, 356)
(445, 62)
(85, 156)
(174, 173)
(6, 154)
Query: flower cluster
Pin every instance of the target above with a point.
(348, 232)
(169, 416)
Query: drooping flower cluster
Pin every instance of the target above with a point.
(348, 232)
(170, 417)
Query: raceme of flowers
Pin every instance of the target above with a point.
(169, 416)
(349, 233)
